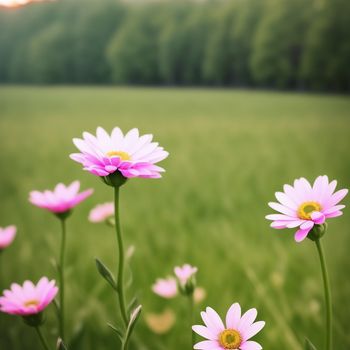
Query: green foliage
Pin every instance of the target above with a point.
(230, 151)
(309, 345)
(294, 44)
(279, 43)
(133, 51)
(327, 54)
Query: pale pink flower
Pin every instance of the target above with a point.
(184, 273)
(28, 299)
(62, 199)
(101, 212)
(130, 154)
(7, 235)
(235, 335)
(199, 294)
(161, 323)
(166, 288)
(303, 205)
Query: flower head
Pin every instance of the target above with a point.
(28, 299)
(199, 294)
(131, 154)
(184, 273)
(162, 322)
(304, 206)
(235, 335)
(101, 212)
(166, 288)
(61, 199)
(7, 235)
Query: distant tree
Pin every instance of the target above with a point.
(326, 60)
(95, 26)
(279, 42)
(173, 46)
(217, 64)
(51, 55)
(133, 51)
(247, 18)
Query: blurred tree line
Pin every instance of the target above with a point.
(287, 44)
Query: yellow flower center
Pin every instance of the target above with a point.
(32, 302)
(122, 155)
(307, 208)
(230, 339)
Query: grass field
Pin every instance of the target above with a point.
(229, 152)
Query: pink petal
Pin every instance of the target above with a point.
(215, 318)
(205, 332)
(279, 224)
(300, 235)
(318, 217)
(334, 215)
(253, 330)
(337, 197)
(250, 345)
(286, 201)
(307, 225)
(247, 319)
(280, 217)
(233, 316)
(208, 345)
(282, 209)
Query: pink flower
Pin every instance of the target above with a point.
(28, 299)
(132, 155)
(236, 333)
(166, 288)
(304, 205)
(184, 273)
(62, 199)
(199, 294)
(101, 212)
(7, 235)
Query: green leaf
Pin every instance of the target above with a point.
(61, 345)
(133, 319)
(132, 304)
(309, 345)
(119, 332)
(106, 274)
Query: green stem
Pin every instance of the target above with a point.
(42, 339)
(191, 308)
(120, 283)
(61, 277)
(327, 295)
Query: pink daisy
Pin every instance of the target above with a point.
(236, 333)
(62, 199)
(7, 235)
(184, 273)
(101, 212)
(166, 288)
(28, 299)
(303, 205)
(130, 154)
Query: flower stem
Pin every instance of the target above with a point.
(61, 277)
(191, 308)
(120, 283)
(42, 339)
(327, 295)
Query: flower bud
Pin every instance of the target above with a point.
(115, 179)
(317, 231)
(34, 320)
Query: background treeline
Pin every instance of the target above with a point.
(294, 44)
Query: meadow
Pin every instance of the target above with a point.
(230, 150)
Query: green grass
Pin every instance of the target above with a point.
(229, 152)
